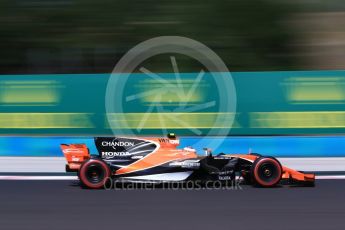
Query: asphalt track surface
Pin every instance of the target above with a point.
(51, 205)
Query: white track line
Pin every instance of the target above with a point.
(57, 164)
(38, 178)
(330, 177)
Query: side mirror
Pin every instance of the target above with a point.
(208, 152)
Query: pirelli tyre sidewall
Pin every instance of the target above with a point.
(94, 173)
(266, 172)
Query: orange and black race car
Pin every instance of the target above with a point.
(159, 159)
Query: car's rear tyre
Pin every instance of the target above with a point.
(94, 173)
(266, 172)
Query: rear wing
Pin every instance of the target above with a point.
(75, 155)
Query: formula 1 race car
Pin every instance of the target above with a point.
(158, 159)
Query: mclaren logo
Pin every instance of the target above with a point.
(115, 144)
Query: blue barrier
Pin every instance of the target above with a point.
(290, 146)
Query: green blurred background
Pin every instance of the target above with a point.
(87, 36)
(56, 56)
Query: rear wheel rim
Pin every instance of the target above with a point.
(95, 173)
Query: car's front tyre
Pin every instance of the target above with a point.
(266, 172)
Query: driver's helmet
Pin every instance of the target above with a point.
(173, 139)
